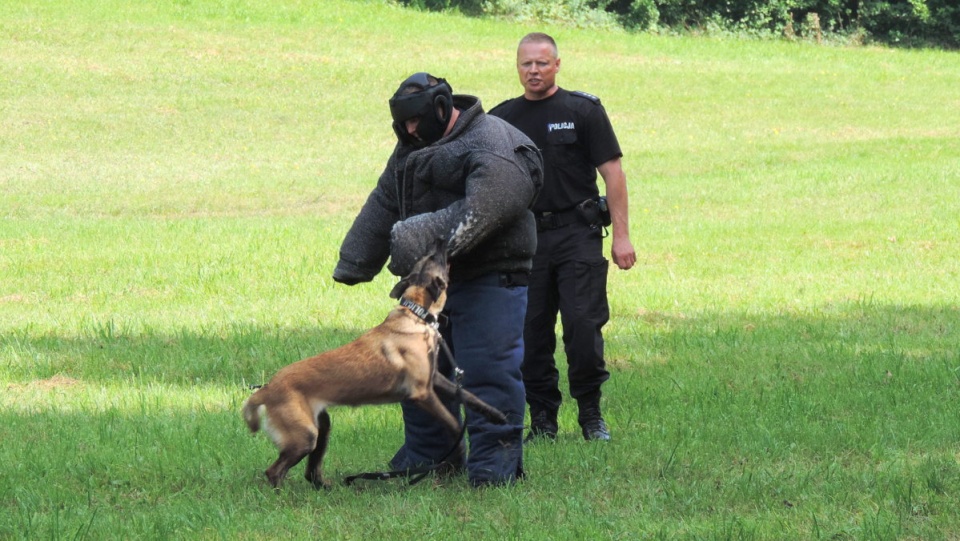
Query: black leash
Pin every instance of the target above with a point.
(418, 473)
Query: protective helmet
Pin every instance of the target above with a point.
(425, 96)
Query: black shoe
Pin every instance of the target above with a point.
(596, 430)
(591, 421)
(543, 424)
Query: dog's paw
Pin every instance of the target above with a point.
(318, 482)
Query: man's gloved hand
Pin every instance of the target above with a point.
(350, 274)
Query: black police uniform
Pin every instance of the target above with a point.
(569, 272)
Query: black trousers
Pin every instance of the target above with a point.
(569, 277)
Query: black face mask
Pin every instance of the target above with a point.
(432, 104)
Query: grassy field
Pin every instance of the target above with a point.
(175, 180)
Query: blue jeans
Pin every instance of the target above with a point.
(485, 333)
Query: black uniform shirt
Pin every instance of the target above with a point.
(575, 136)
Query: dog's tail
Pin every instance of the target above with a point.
(251, 411)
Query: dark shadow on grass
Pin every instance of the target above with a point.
(847, 411)
(238, 353)
(859, 378)
(862, 340)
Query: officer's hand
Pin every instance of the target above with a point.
(623, 254)
(346, 280)
(349, 274)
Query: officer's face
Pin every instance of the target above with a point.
(411, 125)
(537, 65)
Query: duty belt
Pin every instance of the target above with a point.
(555, 220)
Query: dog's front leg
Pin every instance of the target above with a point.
(448, 390)
(432, 405)
(315, 462)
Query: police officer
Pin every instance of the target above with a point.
(463, 176)
(569, 271)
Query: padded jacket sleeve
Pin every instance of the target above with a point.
(367, 245)
(499, 190)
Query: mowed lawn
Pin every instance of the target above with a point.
(176, 178)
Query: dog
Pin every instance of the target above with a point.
(394, 361)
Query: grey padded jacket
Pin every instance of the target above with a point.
(474, 187)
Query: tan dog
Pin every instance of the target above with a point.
(394, 361)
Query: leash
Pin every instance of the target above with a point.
(418, 473)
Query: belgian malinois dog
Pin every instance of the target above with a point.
(394, 361)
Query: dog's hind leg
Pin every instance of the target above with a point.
(289, 458)
(315, 462)
(298, 444)
(448, 390)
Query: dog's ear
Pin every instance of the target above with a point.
(441, 246)
(437, 286)
(398, 289)
(441, 254)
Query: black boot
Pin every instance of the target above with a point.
(543, 424)
(591, 421)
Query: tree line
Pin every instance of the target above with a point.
(900, 23)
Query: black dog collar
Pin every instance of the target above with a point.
(420, 312)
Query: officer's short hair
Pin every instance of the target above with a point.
(540, 37)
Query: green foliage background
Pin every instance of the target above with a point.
(892, 22)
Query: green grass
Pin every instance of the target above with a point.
(175, 180)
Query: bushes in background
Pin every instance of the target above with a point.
(893, 22)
